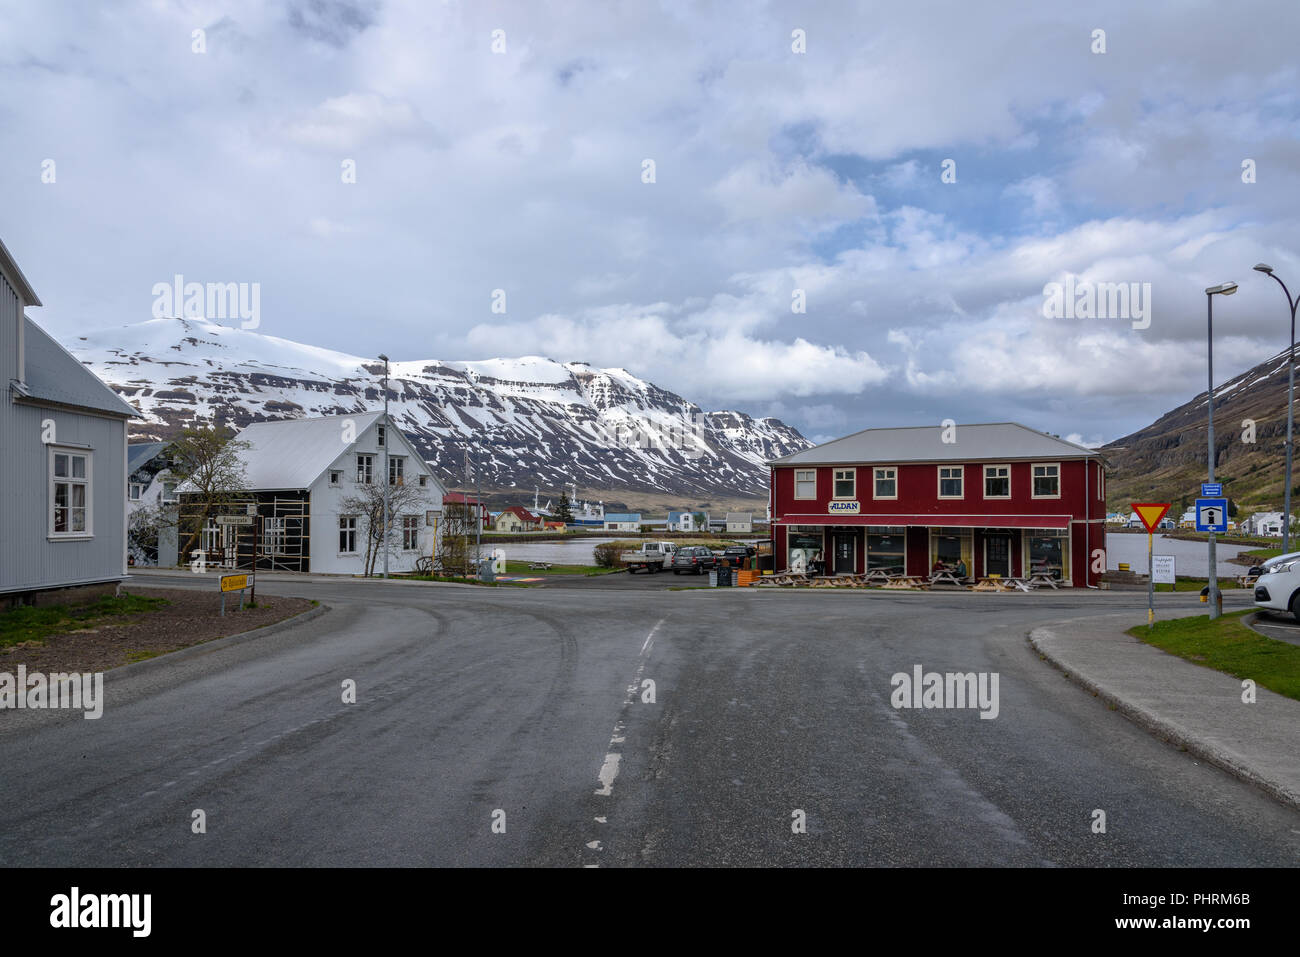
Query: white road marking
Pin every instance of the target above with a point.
(608, 772)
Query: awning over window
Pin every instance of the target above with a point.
(953, 521)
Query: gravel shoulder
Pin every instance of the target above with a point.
(189, 618)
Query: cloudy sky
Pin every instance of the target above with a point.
(504, 146)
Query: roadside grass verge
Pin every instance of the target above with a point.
(455, 580)
(521, 568)
(1196, 584)
(1262, 553)
(1227, 645)
(38, 623)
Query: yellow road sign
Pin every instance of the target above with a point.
(234, 582)
(1151, 513)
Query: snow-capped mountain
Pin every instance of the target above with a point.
(525, 421)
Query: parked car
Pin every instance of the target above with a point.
(734, 555)
(695, 559)
(651, 556)
(1278, 587)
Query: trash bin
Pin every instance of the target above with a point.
(486, 570)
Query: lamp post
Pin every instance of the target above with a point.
(386, 478)
(1223, 289)
(1290, 403)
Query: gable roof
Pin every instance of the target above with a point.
(9, 267)
(142, 453)
(292, 453)
(521, 512)
(739, 517)
(924, 443)
(52, 374)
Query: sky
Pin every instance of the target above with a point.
(844, 215)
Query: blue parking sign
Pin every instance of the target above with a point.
(1211, 514)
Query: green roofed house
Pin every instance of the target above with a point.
(62, 463)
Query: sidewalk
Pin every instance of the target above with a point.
(212, 573)
(1196, 708)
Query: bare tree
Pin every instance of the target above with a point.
(207, 468)
(367, 502)
(453, 551)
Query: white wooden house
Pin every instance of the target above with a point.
(301, 472)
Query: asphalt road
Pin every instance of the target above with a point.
(514, 705)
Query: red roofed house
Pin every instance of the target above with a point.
(516, 518)
(1005, 499)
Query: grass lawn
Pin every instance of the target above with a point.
(521, 568)
(1196, 584)
(1263, 553)
(38, 623)
(1229, 646)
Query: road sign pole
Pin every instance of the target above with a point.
(1151, 583)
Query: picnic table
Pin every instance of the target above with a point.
(784, 578)
(1037, 579)
(1000, 583)
(947, 576)
(540, 566)
(907, 581)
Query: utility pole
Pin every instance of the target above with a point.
(1223, 289)
(387, 480)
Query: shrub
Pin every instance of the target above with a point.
(606, 554)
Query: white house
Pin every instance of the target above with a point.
(302, 473)
(1264, 523)
(686, 522)
(742, 522)
(150, 486)
(623, 521)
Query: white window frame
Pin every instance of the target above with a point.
(1101, 482)
(939, 476)
(1033, 485)
(424, 480)
(396, 469)
(137, 488)
(875, 488)
(168, 498)
(380, 435)
(1006, 466)
(411, 526)
(805, 498)
(852, 474)
(354, 529)
(87, 481)
(336, 477)
(366, 474)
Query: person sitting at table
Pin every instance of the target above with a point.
(960, 570)
(939, 566)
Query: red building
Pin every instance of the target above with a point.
(1003, 498)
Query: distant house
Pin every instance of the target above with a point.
(1134, 521)
(554, 526)
(1188, 519)
(301, 474)
(623, 521)
(1115, 518)
(516, 518)
(1268, 524)
(742, 522)
(686, 522)
(62, 463)
(150, 488)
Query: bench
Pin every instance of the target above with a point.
(540, 566)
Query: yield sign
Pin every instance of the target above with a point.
(1151, 513)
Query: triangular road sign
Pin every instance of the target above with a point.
(1151, 513)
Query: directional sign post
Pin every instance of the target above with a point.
(1151, 513)
(1211, 489)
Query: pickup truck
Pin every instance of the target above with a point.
(652, 556)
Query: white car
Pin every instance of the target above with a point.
(1278, 587)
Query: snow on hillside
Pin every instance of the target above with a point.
(525, 421)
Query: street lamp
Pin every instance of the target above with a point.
(1223, 289)
(386, 479)
(1290, 403)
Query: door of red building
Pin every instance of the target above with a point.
(997, 555)
(844, 548)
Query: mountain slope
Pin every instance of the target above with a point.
(525, 421)
(1167, 460)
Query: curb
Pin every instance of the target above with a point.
(216, 644)
(1163, 728)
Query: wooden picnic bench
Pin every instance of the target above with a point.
(540, 566)
(907, 581)
(948, 578)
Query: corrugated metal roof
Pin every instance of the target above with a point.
(8, 265)
(142, 453)
(54, 375)
(623, 517)
(292, 454)
(989, 440)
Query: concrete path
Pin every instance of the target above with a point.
(1196, 708)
